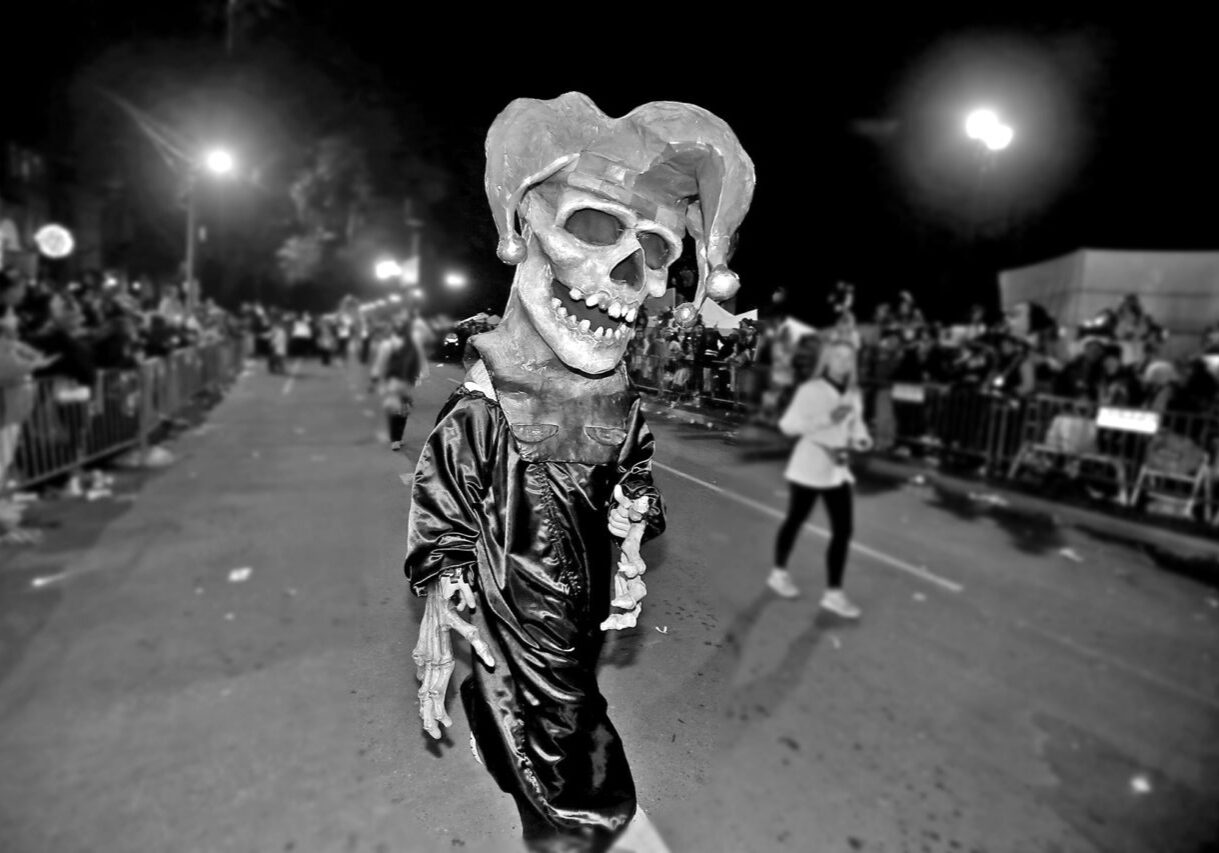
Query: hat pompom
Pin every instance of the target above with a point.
(722, 284)
(685, 314)
(512, 249)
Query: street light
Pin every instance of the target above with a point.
(998, 138)
(985, 127)
(387, 269)
(455, 280)
(219, 161)
(990, 136)
(216, 162)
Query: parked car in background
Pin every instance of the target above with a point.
(452, 344)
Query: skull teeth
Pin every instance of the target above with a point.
(593, 300)
(615, 309)
(630, 315)
(576, 295)
(556, 303)
(585, 325)
(600, 333)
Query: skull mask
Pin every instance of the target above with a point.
(592, 262)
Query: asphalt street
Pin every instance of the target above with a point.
(1014, 685)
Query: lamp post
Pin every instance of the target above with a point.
(218, 163)
(990, 136)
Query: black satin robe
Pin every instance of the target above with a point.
(517, 494)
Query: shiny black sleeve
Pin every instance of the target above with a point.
(635, 472)
(451, 480)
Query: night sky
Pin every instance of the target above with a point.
(864, 173)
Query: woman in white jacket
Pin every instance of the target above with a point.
(827, 416)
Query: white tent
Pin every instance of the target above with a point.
(715, 316)
(1179, 289)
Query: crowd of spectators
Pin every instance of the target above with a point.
(994, 385)
(1114, 360)
(57, 341)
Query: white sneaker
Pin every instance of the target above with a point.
(836, 601)
(781, 582)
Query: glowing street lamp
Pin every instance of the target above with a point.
(219, 161)
(387, 269)
(455, 280)
(998, 138)
(985, 127)
(979, 123)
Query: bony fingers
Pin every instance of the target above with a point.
(474, 638)
(482, 650)
(467, 596)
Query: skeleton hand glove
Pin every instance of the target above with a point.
(627, 521)
(434, 652)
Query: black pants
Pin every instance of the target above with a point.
(839, 505)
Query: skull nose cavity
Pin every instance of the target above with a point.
(629, 271)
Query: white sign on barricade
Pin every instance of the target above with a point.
(903, 393)
(1128, 420)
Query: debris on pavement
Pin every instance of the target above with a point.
(918, 596)
(158, 457)
(98, 494)
(1140, 784)
(229, 617)
(407, 479)
(198, 590)
(240, 575)
(256, 454)
(663, 629)
(291, 592)
(917, 480)
(1070, 554)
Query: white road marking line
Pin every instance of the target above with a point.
(1119, 664)
(291, 377)
(880, 557)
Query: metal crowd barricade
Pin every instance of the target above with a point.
(1129, 456)
(71, 426)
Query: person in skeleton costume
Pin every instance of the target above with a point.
(541, 461)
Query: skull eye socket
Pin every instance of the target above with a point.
(595, 227)
(655, 250)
